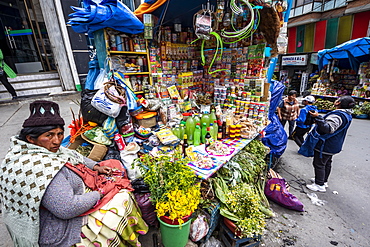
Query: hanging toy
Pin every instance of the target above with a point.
(205, 21)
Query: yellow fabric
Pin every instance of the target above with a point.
(145, 8)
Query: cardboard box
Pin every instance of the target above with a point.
(98, 151)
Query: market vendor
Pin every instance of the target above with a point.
(342, 91)
(43, 200)
(288, 111)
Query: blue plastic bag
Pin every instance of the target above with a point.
(275, 135)
(107, 13)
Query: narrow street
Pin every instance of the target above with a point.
(342, 221)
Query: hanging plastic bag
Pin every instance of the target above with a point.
(276, 191)
(110, 128)
(90, 113)
(100, 79)
(102, 103)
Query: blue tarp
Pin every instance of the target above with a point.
(97, 15)
(275, 135)
(350, 50)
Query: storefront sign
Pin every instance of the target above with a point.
(298, 60)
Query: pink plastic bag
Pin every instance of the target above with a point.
(276, 191)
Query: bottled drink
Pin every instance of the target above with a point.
(197, 135)
(185, 145)
(212, 116)
(205, 119)
(176, 131)
(208, 137)
(215, 130)
(224, 134)
(196, 118)
(190, 127)
(182, 131)
(212, 130)
(204, 132)
(219, 131)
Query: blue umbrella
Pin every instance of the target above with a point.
(92, 74)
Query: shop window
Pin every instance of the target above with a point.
(340, 3)
(299, 2)
(329, 5)
(307, 8)
(298, 11)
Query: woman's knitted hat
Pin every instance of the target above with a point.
(43, 113)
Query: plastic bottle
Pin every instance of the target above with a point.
(197, 135)
(185, 145)
(215, 129)
(205, 119)
(220, 130)
(208, 137)
(182, 131)
(204, 132)
(212, 130)
(176, 131)
(196, 118)
(190, 127)
(212, 116)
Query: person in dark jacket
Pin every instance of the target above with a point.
(336, 122)
(302, 126)
(288, 111)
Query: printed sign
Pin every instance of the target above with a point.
(297, 60)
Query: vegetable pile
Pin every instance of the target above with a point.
(324, 104)
(239, 186)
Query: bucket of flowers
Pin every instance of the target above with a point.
(174, 190)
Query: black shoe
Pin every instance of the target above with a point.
(14, 97)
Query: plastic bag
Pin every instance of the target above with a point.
(100, 79)
(147, 208)
(110, 128)
(101, 102)
(212, 242)
(90, 113)
(128, 155)
(199, 228)
(276, 191)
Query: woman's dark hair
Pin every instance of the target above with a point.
(346, 102)
(292, 92)
(35, 132)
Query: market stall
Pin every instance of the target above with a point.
(345, 70)
(188, 96)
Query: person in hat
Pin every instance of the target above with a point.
(332, 129)
(44, 198)
(288, 111)
(5, 72)
(303, 122)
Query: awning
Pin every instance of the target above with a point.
(351, 50)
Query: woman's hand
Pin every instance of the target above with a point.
(103, 169)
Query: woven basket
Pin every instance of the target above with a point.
(98, 151)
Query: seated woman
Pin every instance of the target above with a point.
(43, 200)
(342, 91)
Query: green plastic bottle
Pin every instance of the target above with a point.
(204, 132)
(182, 131)
(212, 130)
(190, 127)
(205, 119)
(176, 131)
(196, 118)
(197, 135)
(212, 116)
(215, 130)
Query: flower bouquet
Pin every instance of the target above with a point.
(173, 186)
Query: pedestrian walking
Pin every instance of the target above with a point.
(331, 129)
(288, 111)
(5, 72)
(43, 190)
(304, 120)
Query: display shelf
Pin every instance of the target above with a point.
(139, 92)
(127, 53)
(136, 73)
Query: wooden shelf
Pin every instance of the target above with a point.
(136, 73)
(128, 52)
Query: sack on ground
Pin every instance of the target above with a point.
(276, 191)
(147, 208)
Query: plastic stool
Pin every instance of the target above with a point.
(230, 240)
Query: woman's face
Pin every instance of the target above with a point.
(292, 97)
(50, 140)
